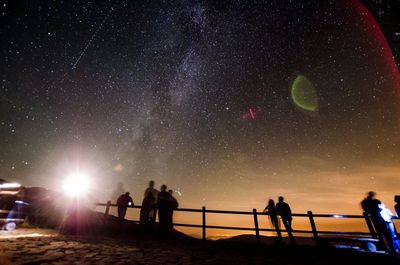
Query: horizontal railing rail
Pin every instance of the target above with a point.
(248, 212)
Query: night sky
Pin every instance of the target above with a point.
(201, 96)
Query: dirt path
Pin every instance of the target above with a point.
(48, 247)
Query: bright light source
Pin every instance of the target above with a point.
(76, 185)
(337, 216)
(10, 226)
(9, 185)
(21, 202)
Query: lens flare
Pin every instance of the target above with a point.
(304, 94)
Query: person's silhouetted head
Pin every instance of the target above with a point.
(271, 202)
(280, 199)
(151, 183)
(163, 187)
(127, 193)
(371, 194)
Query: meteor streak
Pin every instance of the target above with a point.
(94, 36)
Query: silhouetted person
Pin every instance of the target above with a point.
(153, 210)
(164, 208)
(382, 221)
(151, 189)
(283, 209)
(271, 210)
(147, 207)
(397, 205)
(173, 205)
(123, 202)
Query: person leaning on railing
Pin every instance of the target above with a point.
(283, 209)
(271, 210)
(123, 202)
(381, 217)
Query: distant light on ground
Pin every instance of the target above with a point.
(22, 232)
(76, 185)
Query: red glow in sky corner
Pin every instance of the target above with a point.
(388, 60)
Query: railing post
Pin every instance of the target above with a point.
(257, 230)
(370, 226)
(313, 226)
(107, 209)
(204, 223)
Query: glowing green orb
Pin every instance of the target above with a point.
(304, 94)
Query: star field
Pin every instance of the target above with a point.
(198, 95)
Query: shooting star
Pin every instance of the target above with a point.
(94, 35)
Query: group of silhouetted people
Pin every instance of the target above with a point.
(376, 211)
(162, 202)
(381, 218)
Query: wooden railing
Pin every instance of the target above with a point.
(256, 229)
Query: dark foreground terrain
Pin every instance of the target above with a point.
(48, 247)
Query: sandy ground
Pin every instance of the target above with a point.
(37, 246)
